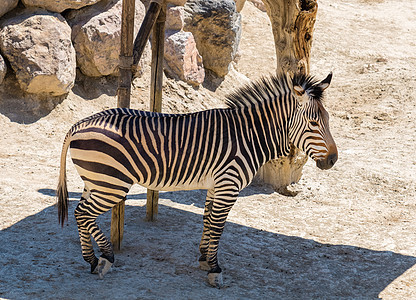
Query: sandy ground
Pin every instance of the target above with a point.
(349, 233)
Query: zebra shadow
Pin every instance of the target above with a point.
(39, 259)
(194, 197)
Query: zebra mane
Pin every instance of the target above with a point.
(270, 87)
(310, 85)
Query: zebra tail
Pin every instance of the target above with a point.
(62, 191)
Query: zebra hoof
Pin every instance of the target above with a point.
(94, 266)
(103, 267)
(215, 280)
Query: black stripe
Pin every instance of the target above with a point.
(146, 123)
(102, 169)
(182, 122)
(106, 184)
(201, 139)
(211, 132)
(102, 146)
(189, 151)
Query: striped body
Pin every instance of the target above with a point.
(219, 150)
(167, 152)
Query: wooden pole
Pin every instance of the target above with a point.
(127, 66)
(117, 225)
(158, 48)
(123, 100)
(144, 32)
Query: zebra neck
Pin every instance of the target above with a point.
(267, 131)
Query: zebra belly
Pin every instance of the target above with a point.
(201, 185)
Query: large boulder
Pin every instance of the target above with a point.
(3, 69)
(182, 60)
(7, 5)
(37, 43)
(177, 2)
(216, 26)
(169, 2)
(96, 32)
(175, 18)
(59, 5)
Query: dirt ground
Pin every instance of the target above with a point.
(350, 232)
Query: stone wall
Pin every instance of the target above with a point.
(44, 41)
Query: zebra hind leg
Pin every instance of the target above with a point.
(84, 235)
(86, 214)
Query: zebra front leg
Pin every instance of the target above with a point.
(224, 200)
(203, 246)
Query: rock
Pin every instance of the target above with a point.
(96, 32)
(174, 2)
(37, 43)
(7, 5)
(177, 2)
(145, 60)
(182, 60)
(3, 69)
(168, 2)
(59, 5)
(175, 18)
(216, 26)
(239, 4)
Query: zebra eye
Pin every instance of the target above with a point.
(313, 123)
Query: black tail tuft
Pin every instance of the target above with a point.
(62, 195)
(62, 191)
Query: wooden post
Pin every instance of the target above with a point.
(144, 32)
(117, 225)
(158, 48)
(126, 54)
(129, 58)
(123, 100)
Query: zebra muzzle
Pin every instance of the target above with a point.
(328, 162)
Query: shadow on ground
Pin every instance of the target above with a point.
(158, 260)
(193, 197)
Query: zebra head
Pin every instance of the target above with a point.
(309, 128)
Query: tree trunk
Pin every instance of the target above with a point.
(292, 24)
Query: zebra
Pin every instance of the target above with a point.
(219, 150)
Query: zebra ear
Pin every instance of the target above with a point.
(324, 84)
(301, 95)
